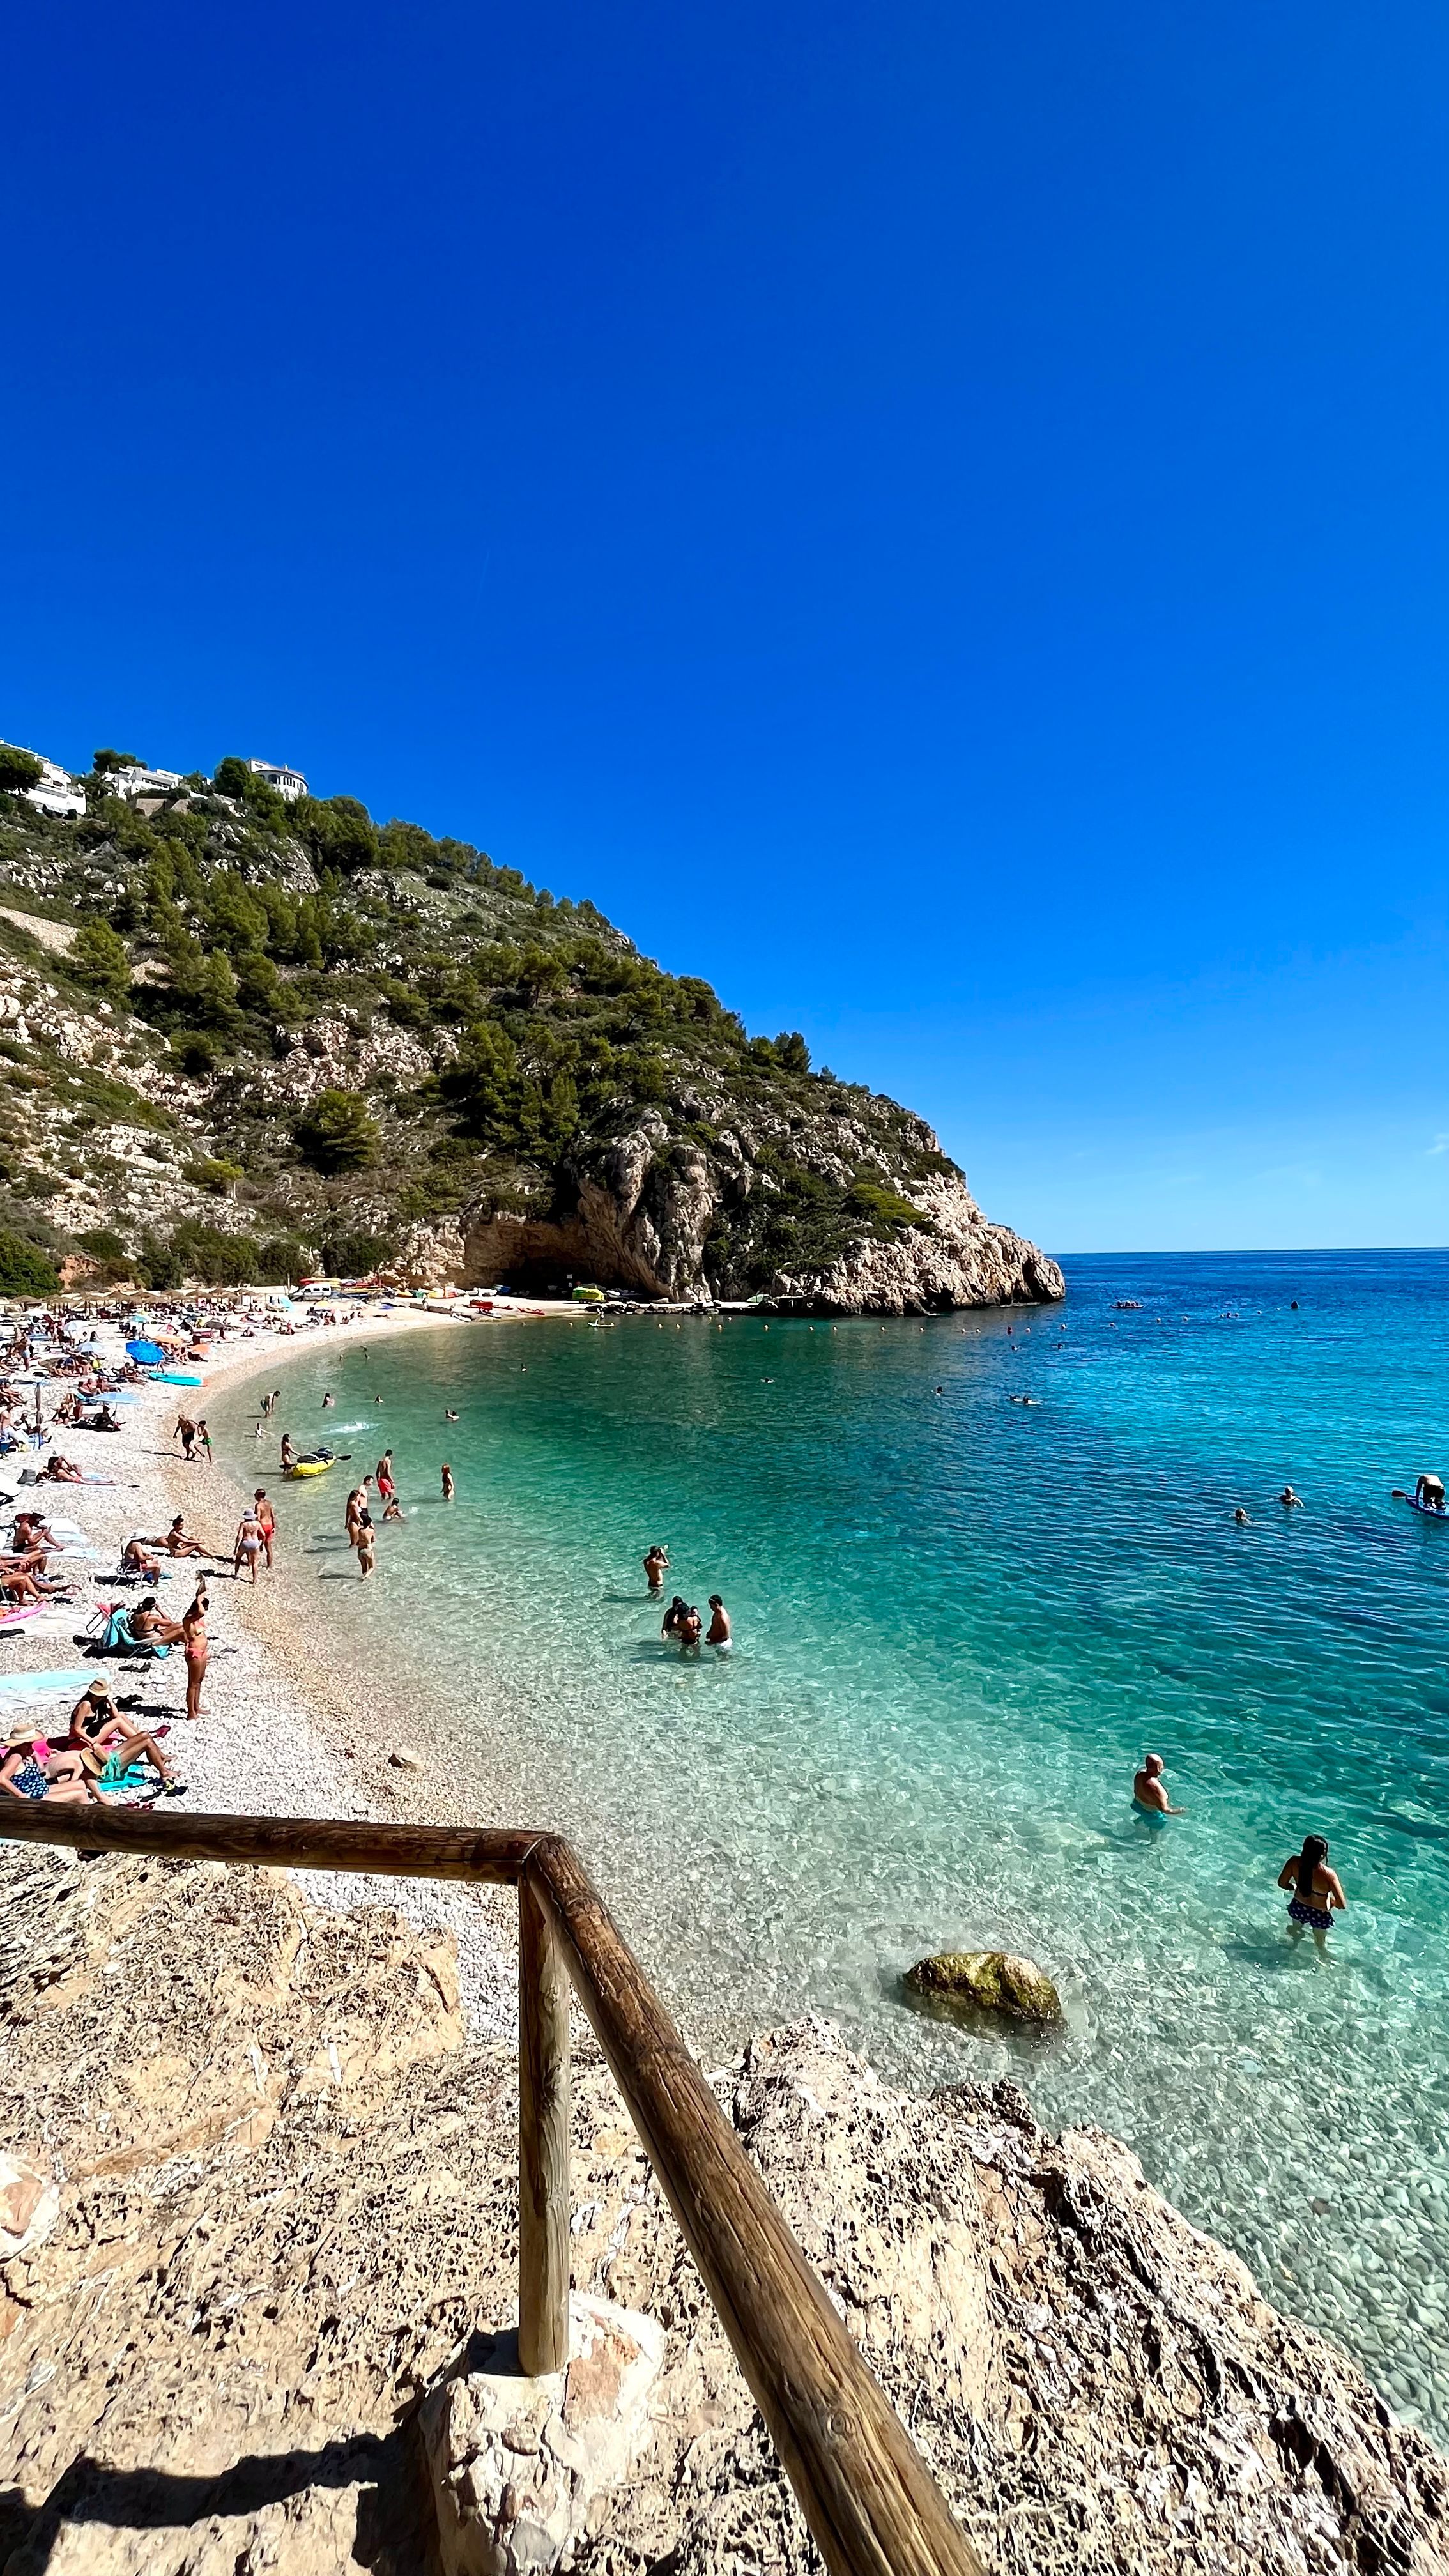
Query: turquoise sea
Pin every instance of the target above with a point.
(959, 1622)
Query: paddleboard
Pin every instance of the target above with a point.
(1426, 1511)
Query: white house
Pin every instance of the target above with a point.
(144, 782)
(287, 782)
(55, 791)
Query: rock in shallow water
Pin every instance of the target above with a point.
(988, 1981)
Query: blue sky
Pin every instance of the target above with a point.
(934, 517)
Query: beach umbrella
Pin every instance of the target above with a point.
(145, 1354)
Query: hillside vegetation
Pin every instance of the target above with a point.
(242, 1037)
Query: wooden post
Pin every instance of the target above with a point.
(543, 2141)
(866, 2493)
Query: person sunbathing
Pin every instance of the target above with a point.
(33, 1530)
(19, 1585)
(35, 1771)
(61, 1471)
(134, 1560)
(105, 1740)
(150, 1626)
(176, 1542)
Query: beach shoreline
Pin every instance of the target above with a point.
(281, 1730)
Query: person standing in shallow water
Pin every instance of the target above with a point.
(720, 1633)
(1149, 1788)
(655, 1566)
(1317, 1892)
(448, 1485)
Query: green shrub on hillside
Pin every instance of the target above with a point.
(100, 962)
(338, 1133)
(18, 769)
(24, 1272)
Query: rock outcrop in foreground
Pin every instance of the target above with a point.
(286, 2213)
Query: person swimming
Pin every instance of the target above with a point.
(1290, 1501)
(1317, 1891)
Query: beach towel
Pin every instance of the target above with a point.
(35, 1685)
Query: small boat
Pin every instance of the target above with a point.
(316, 1463)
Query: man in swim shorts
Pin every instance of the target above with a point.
(655, 1566)
(1149, 1788)
(719, 1625)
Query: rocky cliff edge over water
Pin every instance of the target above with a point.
(260, 2212)
(244, 1039)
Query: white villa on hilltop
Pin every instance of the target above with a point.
(137, 781)
(55, 791)
(287, 782)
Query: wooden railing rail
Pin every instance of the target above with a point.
(870, 2501)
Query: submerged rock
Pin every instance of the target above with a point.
(988, 1981)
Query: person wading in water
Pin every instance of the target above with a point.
(1317, 1894)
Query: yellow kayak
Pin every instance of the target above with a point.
(316, 1466)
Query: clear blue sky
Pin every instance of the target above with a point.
(934, 517)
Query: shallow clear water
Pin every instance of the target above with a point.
(959, 1621)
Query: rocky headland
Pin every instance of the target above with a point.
(241, 1040)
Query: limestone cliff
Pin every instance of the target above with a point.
(239, 1041)
(262, 2202)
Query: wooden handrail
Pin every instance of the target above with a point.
(871, 2503)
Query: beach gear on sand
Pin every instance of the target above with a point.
(29, 1685)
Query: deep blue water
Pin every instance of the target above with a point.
(959, 1622)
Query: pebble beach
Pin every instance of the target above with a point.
(280, 1733)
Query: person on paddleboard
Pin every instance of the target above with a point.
(1429, 1493)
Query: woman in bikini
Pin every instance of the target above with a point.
(197, 1652)
(248, 1547)
(37, 1770)
(1317, 1894)
(105, 1740)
